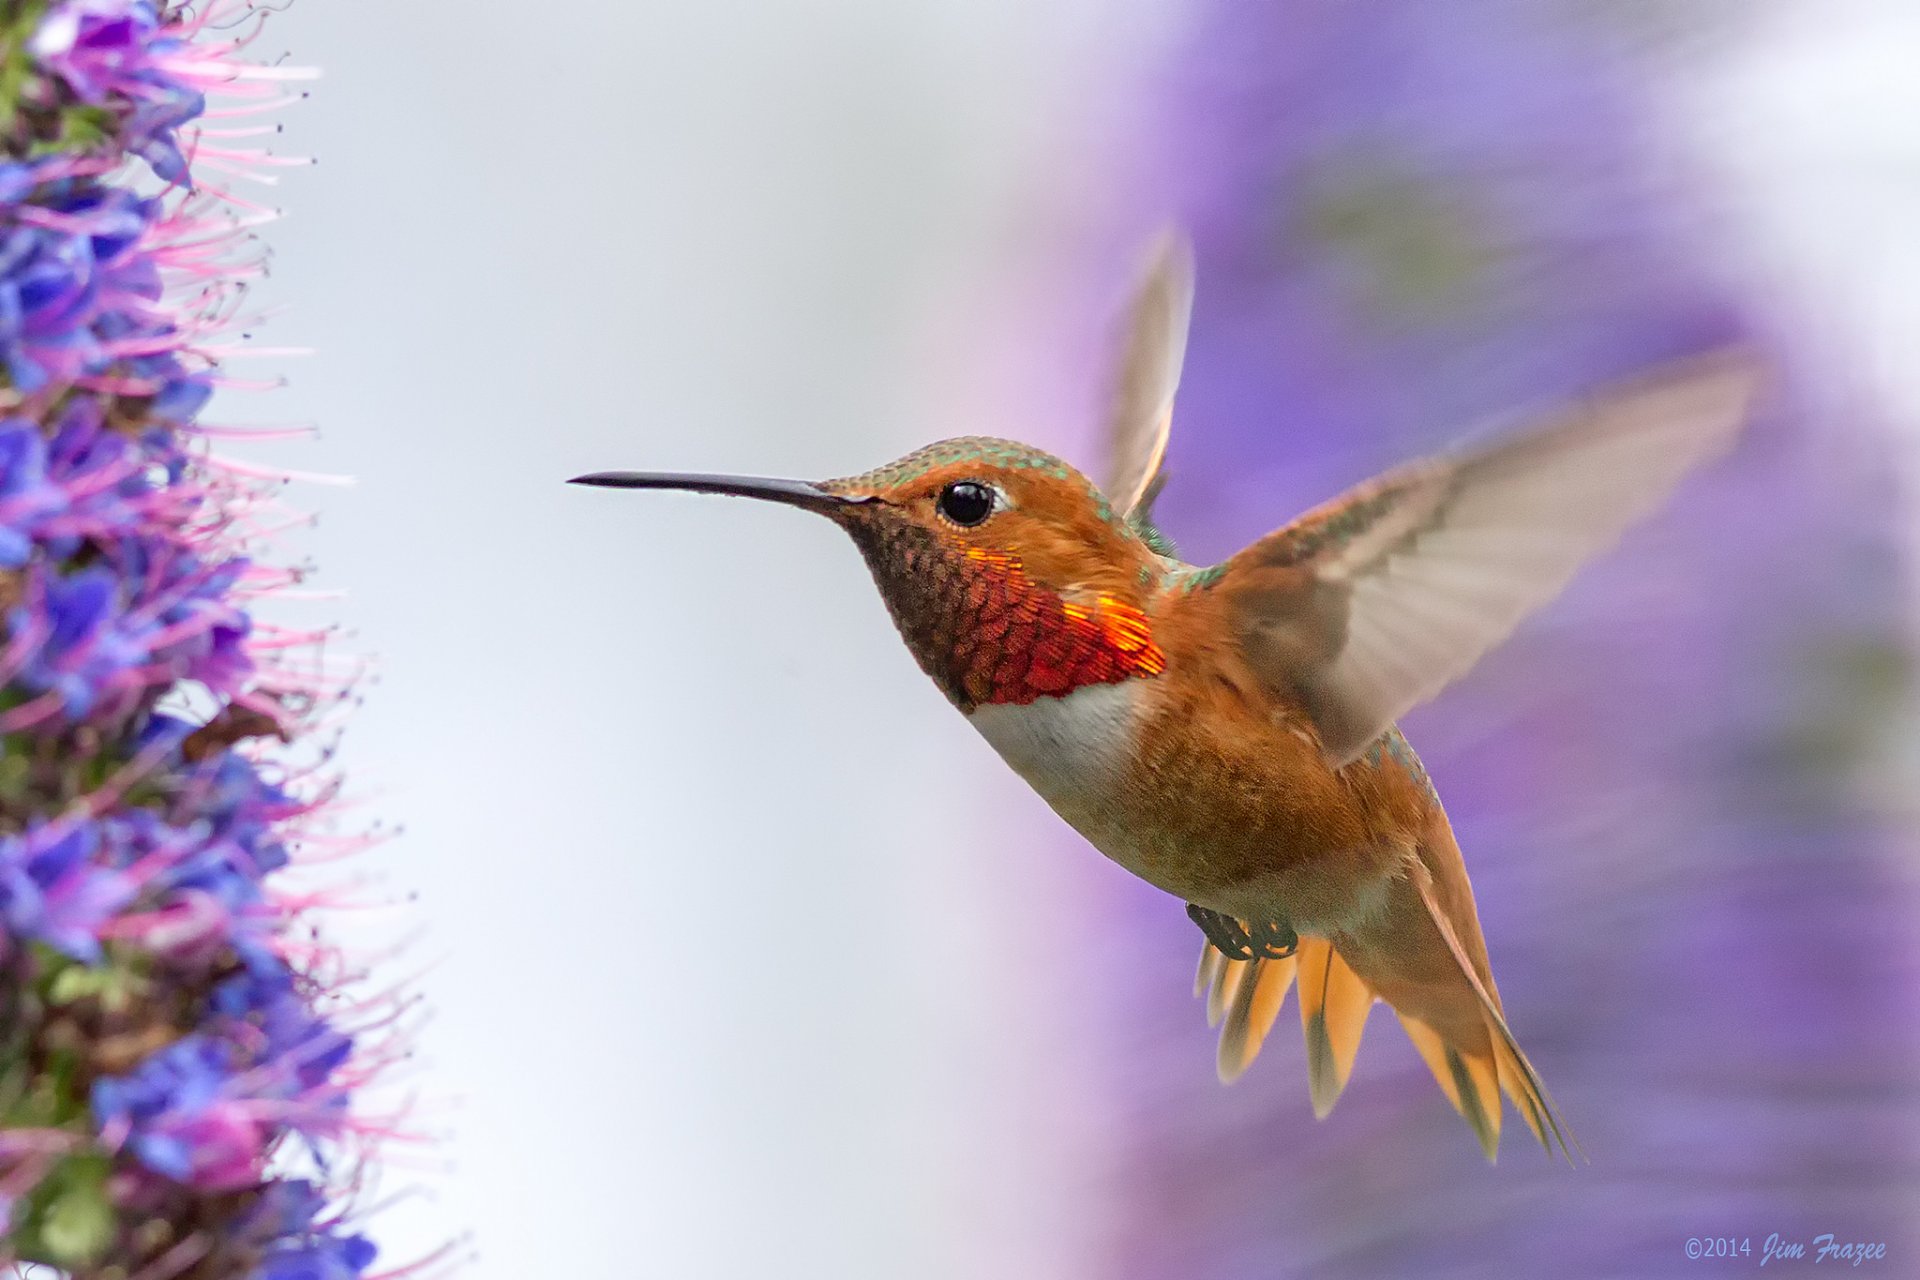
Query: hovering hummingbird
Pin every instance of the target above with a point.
(1227, 732)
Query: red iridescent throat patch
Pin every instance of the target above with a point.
(988, 634)
(1030, 643)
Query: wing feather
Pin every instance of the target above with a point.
(1152, 350)
(1371, 604)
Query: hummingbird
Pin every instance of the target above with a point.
(1227, 732)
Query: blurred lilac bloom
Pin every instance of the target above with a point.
(116, 51)
(1412, 220)
(78, 294)
(80, 637)
(53, 891)
(184, 1117)
(89, 639)
(201, 863)
(205, 1110)
(300, 1051)
(106, 493)
(27, 497)
(293, 1215)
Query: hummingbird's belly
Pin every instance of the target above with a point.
(1080, 753)
(1248, 821)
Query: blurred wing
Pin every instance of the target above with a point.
(1373, 603)
(1154, 345)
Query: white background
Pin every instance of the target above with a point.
(738, 963)
(743, 960)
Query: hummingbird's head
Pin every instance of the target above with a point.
(1008, 573)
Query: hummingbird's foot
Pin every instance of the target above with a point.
(1273, 941)
(1223, 931)
(1266, 941)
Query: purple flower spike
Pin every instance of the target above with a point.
(183, 1119)
(27, 496)
(165, 1036)
(54, 890)
(305, 1251)
(89, 639)
(115, 54)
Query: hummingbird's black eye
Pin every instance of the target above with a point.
(966, 502)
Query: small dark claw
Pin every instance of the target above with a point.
(1268, 940)
(1223, 931)
(1273, 940)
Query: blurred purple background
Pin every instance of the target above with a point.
(1674, 789)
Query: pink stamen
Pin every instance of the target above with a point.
(15, 1143)
(250, 131)
(118, 386)
(24, 645)
(28, 714)
(247, 384)
(109, 794)
(243, 157)
(235, 170)
(25, 1176)
(259, 644)
(141, 346)
(256, 470)
(228, 197)
(235, 350)
(178, 1259)
(214, 72)
(53, 219)
(254, 108)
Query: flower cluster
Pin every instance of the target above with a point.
(169, 1056)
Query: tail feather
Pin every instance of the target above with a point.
(1245, 996)
(1211, 962)
(1333, 1012)
(1226, 984)
(1250, 1017)
(1510, 1066)
(1528, 1095)
(1474, 1094)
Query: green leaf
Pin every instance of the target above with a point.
(69, 1221)
(16, 25)
(78, 982)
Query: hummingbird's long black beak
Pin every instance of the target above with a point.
(793, 493)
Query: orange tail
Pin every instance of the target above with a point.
(1501, 1058)
(1244, 997)
(1471, 1052)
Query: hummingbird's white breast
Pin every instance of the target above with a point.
(1079, 752)
(1075, 750)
